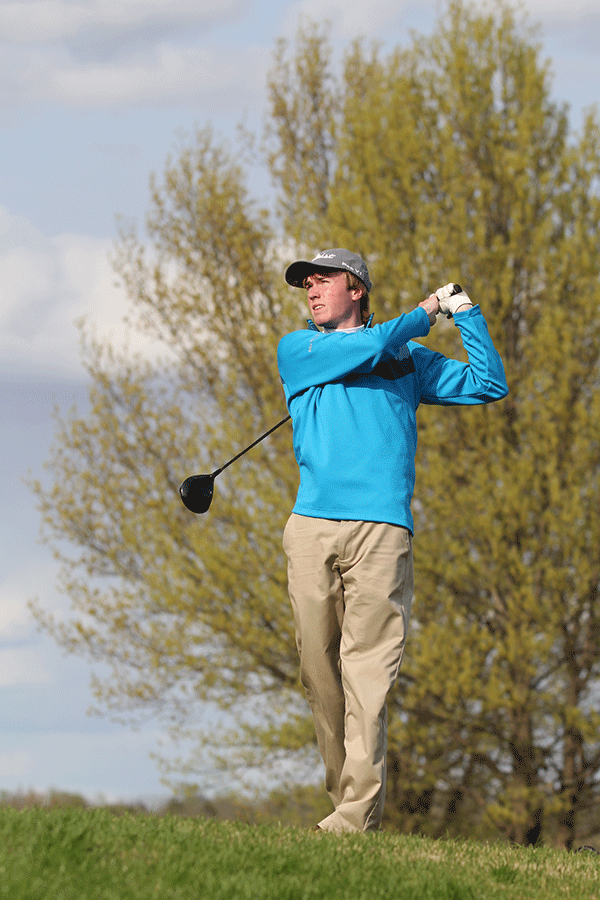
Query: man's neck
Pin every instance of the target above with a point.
(347, 330)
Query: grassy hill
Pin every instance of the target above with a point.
(93, 854)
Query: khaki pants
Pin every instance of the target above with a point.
(351, 587)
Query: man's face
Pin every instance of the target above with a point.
(331, 302)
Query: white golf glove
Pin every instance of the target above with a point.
(451, 297)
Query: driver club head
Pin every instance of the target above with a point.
(196, 492)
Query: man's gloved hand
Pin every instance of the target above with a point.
(451, 298)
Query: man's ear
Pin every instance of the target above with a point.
(365, 313)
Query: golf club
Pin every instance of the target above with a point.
(196, 492)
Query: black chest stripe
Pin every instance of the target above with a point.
(395, 368)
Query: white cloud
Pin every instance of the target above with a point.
(47, 20)
(22, 666)
(106, 53)
(164, 72)
(15, 619)
(46, 285)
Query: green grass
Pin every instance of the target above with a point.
(93, 854)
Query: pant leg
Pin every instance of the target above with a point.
(377, 571)
(316, 596)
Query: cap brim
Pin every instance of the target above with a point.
(302, 268)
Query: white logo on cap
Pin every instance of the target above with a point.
(324, 256)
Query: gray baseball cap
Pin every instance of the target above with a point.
(327, 261)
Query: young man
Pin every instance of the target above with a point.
(353, 391)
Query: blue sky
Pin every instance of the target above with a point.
(93, 94)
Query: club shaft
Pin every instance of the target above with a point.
(253, 444)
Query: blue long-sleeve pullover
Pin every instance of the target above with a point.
(353, 398)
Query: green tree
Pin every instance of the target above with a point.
(183, 609)
(446, 160)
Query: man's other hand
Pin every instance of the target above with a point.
(431, 307)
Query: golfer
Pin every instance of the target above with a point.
(353, 392)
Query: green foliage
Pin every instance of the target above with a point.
(51, 800)
(296, 805)
(95, 855)
(445, 160)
